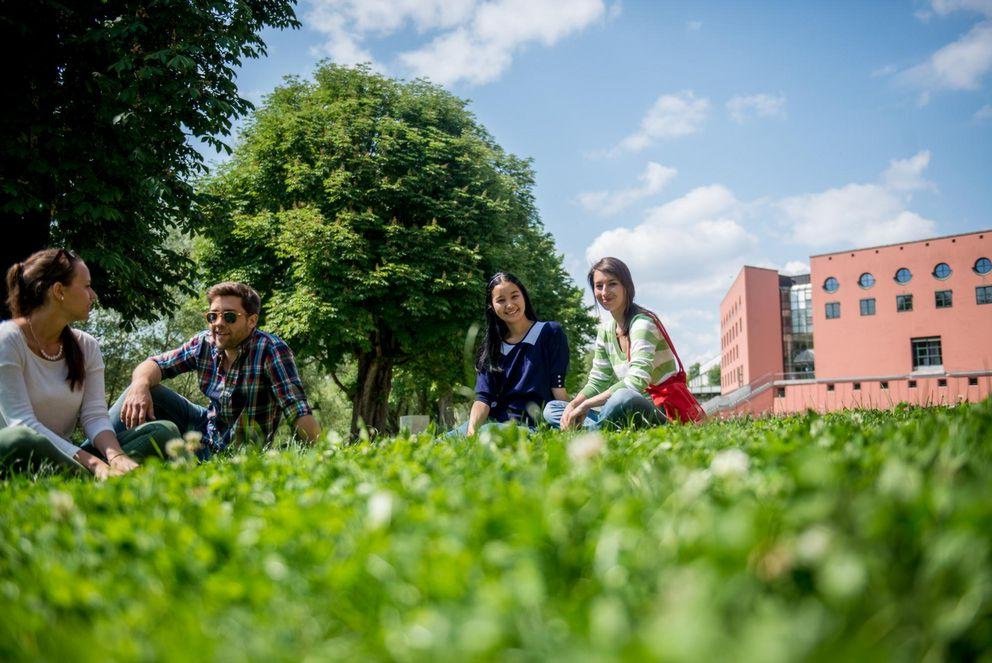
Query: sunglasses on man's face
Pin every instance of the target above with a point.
(230, 317)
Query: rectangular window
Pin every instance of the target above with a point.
(884, 384)
(904, 303)
(912, 384)
(833, 310)
(972, 382)
(926, 352)
(857, 386)
(942, 382)
(983, 294)
(780, 392)
(868, 306)
(943, 298)
(830, 387)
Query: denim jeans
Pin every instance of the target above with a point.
(23, 449)
(462, 431)
(625, 408)
(169, 406)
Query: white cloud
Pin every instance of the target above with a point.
(854, 215)
(693, 26)
(741, 107)
(863, 214)
(341, 45)
(671, 116)
(473, 41)
(907, 174)
(960, 65)
(607, 203)
(884, 70)
(983, 113)
(794, 268)
(945, 7)
(688, 247)
(683, 256)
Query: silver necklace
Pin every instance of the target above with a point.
(41, 348)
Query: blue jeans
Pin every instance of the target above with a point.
(169, 406)
(462, 431)
(625, 408)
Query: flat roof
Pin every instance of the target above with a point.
(915, 241)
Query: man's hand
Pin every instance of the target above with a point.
(137, 408)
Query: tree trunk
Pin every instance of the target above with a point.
(23, 235)
(375, 379)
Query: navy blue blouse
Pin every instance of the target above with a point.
(531, 369)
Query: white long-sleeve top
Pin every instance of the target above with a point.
(34, 391)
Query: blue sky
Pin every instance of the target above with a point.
(690, 139)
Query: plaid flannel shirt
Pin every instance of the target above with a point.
(260, 386)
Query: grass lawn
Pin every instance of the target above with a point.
(860, 535)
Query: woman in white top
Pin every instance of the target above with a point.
(51, 376)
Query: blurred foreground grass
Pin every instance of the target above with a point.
(854, 536)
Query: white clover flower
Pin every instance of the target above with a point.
(813, 544)
(695, 484)
(586, 446)
(175, 448)
(194, 440)
(61, 503)
(730, 463)
(380, 509)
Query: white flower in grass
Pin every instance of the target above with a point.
(380, 509)
(175, 448)
(586, 446)
(62, 504)
(813, 544)
(730, 463)
(194, 440)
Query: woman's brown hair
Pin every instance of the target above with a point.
(619, 270)
(28, 284)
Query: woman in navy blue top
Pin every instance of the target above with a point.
(522, 361)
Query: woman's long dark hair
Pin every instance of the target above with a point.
(496, 330)
(28, 283)
(618, 270)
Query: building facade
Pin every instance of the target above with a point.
(871, 327)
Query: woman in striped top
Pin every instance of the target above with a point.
(631, 356)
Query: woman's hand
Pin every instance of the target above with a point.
(101, 471)
(574, 415)
(122, 464)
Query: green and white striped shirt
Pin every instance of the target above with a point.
(651, 359)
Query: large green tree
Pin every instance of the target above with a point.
(369, 212)
(103, 107)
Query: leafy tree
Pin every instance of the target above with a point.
(369, 213)
(99, 123)
(694, 371)
(714, 375)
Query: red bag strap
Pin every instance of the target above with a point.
(668, 339)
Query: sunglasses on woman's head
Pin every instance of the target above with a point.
(230, 317)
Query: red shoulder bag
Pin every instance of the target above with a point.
(673, 395)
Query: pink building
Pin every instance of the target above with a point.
(871, 327)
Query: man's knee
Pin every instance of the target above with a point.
(553, 411)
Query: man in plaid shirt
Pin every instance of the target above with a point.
(248, 375)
